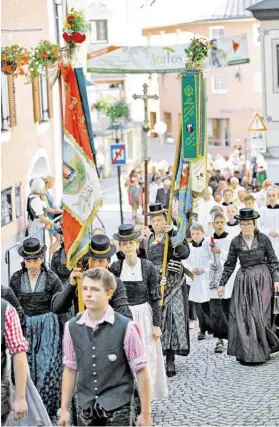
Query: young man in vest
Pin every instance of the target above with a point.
(12, 339)
(102, 351)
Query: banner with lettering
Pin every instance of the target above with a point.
(193, 115)
(81, 188)
(225, 51)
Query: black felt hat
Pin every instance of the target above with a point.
(155, 209)
(100, 247)
(31, 249)
(247, 214)
(126, 232)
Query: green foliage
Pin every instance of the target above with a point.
(196, 53)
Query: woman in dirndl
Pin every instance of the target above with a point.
(34, 286)
(251, 339)
(140, 279)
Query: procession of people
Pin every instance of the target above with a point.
(224, 277)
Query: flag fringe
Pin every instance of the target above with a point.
(71, 262)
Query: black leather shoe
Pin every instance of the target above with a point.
(170, 369)
(201, 336)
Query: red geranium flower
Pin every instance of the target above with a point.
(67, 37)
(70, 18)
(78, 37)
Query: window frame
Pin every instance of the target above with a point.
(7, 190)
(226, 142)
(44, 108)
(5, 93)
(90, 31)
(18, 214)
(216, 27)
(218, 91)
(275, 64)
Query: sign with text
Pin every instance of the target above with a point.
(258, 141)
(225, 51)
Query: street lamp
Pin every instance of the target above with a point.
(117, 129)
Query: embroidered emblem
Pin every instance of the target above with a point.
(112, 357)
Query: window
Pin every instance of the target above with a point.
(6, 207)
(44, 98)
(5, 112)
(8, 106)
(168, 121)
(275, 62)
(258, 81)
(218, 83)
(218, 131)
(256, 34)
(99, 31)
(18, 201)
(216, 32)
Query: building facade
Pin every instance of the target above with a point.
(234, 93)
(267, 12)
(31, 125)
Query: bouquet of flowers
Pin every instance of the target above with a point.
(74, 30)
(44, 55)
(13, 59)
(196, 53)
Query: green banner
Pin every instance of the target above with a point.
(193, 115)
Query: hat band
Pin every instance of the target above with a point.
(156, 212)
(126, 235)
(32, 253)
(99, 252)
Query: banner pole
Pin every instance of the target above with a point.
(169, 215)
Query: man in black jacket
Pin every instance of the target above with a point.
(100, 252)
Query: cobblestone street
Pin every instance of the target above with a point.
(215, 390)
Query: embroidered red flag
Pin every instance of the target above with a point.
(81, 188)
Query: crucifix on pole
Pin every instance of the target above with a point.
(145, 128)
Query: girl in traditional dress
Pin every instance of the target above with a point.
(143, 292)
(232, 227)
(251, 339)
(175, 312)
(269, 222)
(218, 249)
(198, 263)
(34, 286)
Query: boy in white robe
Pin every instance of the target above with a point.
(269, 219)
(233, 227)
(218, 248)
(198, 263)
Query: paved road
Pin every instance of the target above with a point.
(215, 390)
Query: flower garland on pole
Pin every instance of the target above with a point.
(13, 60)
(74, 32)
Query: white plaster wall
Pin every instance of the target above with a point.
(270, 37)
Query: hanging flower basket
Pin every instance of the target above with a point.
(45, 55)
(74, 31)
(13, 60)
(196, 54)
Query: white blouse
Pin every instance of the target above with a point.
(131, 274)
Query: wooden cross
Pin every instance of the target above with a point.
(145, 97)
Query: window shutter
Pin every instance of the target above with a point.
(12, 100)
(49, 98)
(36, 99)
